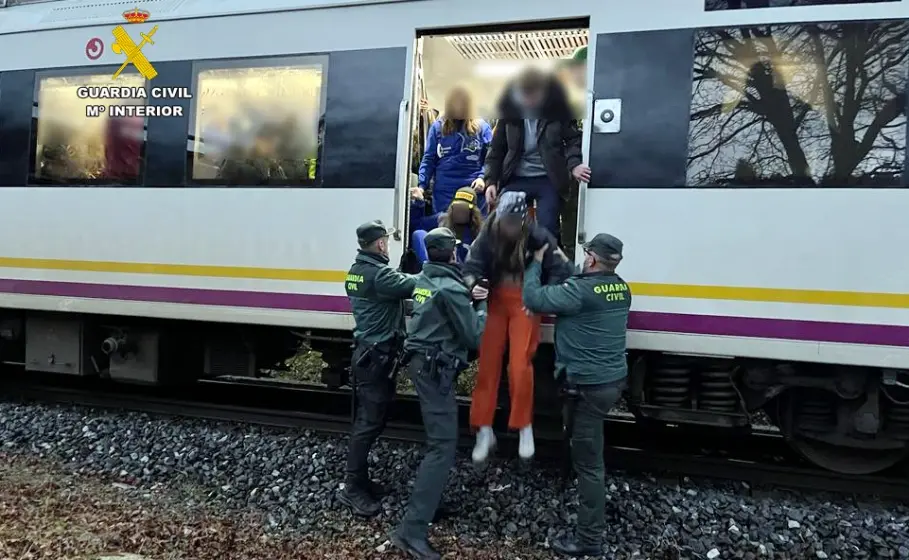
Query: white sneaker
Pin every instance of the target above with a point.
(486, 441)
(525, 443)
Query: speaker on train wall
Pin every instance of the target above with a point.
(715, 5)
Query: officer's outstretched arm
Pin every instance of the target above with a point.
(468, 323)
(391, 284)
(562, 299)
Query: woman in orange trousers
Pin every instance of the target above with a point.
(500, 255)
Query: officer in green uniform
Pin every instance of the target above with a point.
(447, 322)
(377, 293)
(591, 311)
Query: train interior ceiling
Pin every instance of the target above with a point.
(483, 63)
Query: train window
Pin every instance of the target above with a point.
(711, 5)
(74, 148)
(799, 105)
(258, 123)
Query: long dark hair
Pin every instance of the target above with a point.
(508, 256)
(475, 224)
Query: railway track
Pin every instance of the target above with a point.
(759, 458)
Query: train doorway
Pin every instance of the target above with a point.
(482, 62)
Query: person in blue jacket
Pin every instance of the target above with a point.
(455, 152)
(463, 218)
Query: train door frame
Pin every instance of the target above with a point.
(586, 136)
(411, 105)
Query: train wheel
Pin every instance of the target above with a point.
(808, 419)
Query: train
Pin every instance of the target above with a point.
(750, 154)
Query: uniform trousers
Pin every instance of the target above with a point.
(592, 405)
(374, 390)
(440, 420)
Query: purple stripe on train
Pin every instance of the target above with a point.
(886, 335)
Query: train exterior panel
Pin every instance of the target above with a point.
(810, 274)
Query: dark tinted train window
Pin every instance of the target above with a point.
(73, 148)
(258, 122)
(711, 5)
(807, 105)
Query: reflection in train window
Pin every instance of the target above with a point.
(808, 105)
(72, 148)
(712, 5)
(258, 125)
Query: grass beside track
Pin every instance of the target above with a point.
(47, 513)
(306, 367)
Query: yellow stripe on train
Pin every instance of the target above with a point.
(735, 293)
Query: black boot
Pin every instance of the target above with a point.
(446, 510)
(569, 546)
(359, 501)
(376, 490)
(415, 548)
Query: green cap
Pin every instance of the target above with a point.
(440, 238)
(579, 58)
(605, 246)
(371, 231)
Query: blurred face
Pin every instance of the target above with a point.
(510, 227)
(530, 98)
(458, 105)
(460, 214)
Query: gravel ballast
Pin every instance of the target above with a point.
(287, 481)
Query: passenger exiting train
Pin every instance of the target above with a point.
(463, 218)
(500, 255)
(536, 147)
(455, 152)
(591, 311)
(377, 293)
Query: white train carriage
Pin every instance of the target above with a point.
(751, 154)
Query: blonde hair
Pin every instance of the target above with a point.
(450, 122)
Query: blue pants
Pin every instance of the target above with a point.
(544, 193)
(418, 242)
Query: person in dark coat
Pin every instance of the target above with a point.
(536, 146)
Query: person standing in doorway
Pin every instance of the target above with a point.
(455, 152)
(377, 293)
(536, 147)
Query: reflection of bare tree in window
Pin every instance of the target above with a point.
(819, 104)
(711, 5)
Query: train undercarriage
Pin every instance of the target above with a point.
(850, 420)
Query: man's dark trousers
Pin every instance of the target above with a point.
(593, 404)
(374, 392)
(541, 191)
(440, 418)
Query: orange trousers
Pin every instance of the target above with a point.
(507, 322)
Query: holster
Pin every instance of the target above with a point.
(570, 395)
(380, 359)
(441, 368)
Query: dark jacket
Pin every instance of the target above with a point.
(591, 323)
(558, 138)
(377, 293)
(480, 262)
(445, 318)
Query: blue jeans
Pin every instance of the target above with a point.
(544, 193)
(418, 242)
